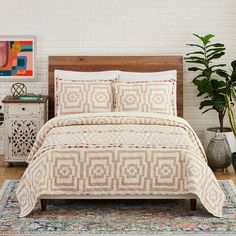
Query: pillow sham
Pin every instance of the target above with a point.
(77, 96)
(146, 96)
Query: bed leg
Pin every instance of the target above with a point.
(193, 204)
(43, 204)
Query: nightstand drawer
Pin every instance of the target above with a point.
(24, 109)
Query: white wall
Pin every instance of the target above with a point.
(120, 27)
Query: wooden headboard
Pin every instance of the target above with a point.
(125, 63)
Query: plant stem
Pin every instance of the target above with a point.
(221, 115)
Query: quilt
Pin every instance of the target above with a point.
(118, 153)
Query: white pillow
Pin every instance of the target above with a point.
(78, 75)
(147, 76)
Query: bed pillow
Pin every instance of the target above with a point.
(125, 76)
(83, 96)
(75, 76)
(163, 76)
(146, 96)
(78, 75)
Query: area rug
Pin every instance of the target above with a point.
(116, 217)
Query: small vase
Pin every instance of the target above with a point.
(218, 152)
(234, 160)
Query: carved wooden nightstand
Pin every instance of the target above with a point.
(22, 120)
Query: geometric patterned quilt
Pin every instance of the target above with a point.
(118, 154)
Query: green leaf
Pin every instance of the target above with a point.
(205, 103)
(219, 102)
(205, 39)
(233, 77)
(233, 64)
(207, 72)
(216, 56)
(214, 53)
(216, 84)
(193, 53)
(197, 77)
(198, 36)
(215, 49)
(198, 62)
(222, 73)
(233, 74)
(194, 58)
(195, 69)
(203, 86)
(195, 45)
(219, 65)
(207, 110)
(217, 45)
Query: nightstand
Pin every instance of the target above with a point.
(22, 121)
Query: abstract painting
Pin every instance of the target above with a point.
(17, 57)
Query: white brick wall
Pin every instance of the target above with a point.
(120, 27)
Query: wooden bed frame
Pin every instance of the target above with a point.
(125, 63)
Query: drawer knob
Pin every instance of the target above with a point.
(23, 109)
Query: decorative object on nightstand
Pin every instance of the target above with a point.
(23, 119)
(218, 152)
(31, 97)
(17, 89)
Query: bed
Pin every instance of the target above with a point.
(117, 155)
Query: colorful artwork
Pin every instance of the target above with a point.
(17, 57)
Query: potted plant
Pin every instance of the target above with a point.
(212, 83)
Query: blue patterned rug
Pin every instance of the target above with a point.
(116, 217)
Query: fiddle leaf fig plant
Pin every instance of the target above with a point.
(210, 87)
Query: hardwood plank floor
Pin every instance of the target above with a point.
(13, 172)
(17, 170)
(228, 174)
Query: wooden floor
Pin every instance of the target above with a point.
(13, 172)
(229, 174)
(17, 170)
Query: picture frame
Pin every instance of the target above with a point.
(18, 58)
